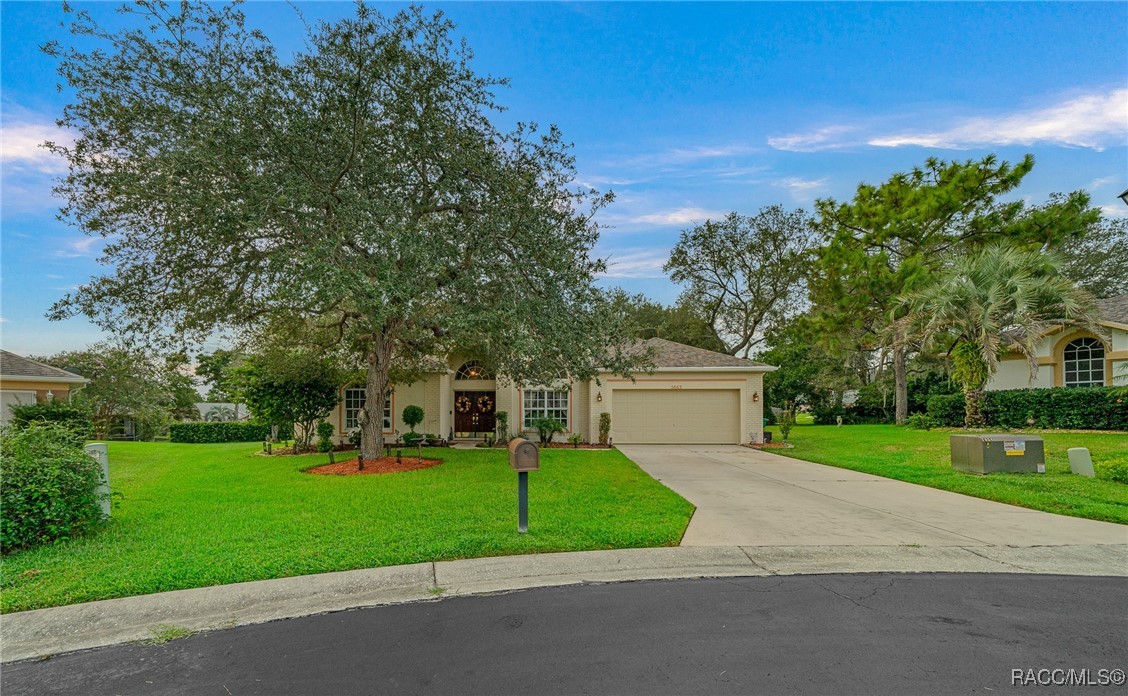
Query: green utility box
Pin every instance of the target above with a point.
(986, 454)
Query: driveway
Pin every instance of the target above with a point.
(746, 497)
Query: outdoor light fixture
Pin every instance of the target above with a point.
(50, 396)
(755, 396)
(1124, 196)
(599, 396)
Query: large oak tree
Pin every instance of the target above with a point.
(358, 190)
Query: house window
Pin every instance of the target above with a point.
(473, 370)
(545, 403)
(1084, 363)
(354, 400)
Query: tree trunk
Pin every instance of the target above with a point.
(376, 387)
(901, 385)
(973, 408)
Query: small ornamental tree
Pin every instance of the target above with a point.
(604, 428)
(546, 428)
(412, 416)
(283, 389)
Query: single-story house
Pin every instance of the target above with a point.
(1070, 357)
(692, 396)
(24, 381)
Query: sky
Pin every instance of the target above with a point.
(685, 111)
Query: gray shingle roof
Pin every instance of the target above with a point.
(12, 365)
(669, 354)
(1114, 309)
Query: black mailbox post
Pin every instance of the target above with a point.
(523, 457)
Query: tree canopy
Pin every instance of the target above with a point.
(890, 239)
(744, 273)
(360, 188)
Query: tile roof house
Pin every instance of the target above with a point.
(692, 396)
(25, 381)
(1070, 357)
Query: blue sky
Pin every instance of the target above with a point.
(685, 111)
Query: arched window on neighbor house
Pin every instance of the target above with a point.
(473, 370)
(1084, 360)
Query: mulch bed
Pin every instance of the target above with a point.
(771, 445)
(383, 465)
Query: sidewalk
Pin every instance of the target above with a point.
(45, 632)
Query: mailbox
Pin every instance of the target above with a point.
(985, 454)
(523, 455)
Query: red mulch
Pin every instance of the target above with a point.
(383, 465)
(771, 445)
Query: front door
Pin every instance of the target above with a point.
(473, 413)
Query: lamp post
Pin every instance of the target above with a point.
(1124, 196)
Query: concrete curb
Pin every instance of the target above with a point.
(45, 632)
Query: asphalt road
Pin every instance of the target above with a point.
(830, 634)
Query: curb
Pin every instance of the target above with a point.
(44, 632)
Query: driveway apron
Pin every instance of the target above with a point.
(747, 497)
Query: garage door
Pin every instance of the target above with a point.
(681, 417)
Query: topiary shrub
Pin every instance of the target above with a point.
(203, 432)
(48, 486)
(604, 428)
(501, 418)
(74, 418)
(325, 436)
(412, 416)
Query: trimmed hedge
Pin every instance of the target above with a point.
(1066, 408)
(222, 431)
(71, 417)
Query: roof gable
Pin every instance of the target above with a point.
(668, 354)
(17, 366)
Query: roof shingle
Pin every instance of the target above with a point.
(12, 365)
(1114, 309)
(670, 354)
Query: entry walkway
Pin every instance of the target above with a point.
(747, 497)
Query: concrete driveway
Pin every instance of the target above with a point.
(745, 497)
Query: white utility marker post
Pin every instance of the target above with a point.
(1080, 461)
(98, 451)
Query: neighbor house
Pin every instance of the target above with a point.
(1073, 357)
(24, 381)
(692, 396)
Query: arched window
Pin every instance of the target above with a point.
(473, 370)
(1084, 363)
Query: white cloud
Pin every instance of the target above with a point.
(1103, 181)
(1115, 210)
(645, 263)
(801, 189)
(828, 138)
(1095, 120)
(20, 145)
(82, 247)
(680, 216)
(1092, 121)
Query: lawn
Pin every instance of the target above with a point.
(920, 456)
(198, 515)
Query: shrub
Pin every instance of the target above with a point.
(325, 436)
(546, 428)
(412, 416)
(49, 486)
(604, 428)
(920, 421)
(947, 410)
(204, 431)
(786, 422)
(575, 439)
(502, 419)
(1115, 470)
(411, 439)
(73, 418)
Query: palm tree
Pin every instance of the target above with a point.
(996, 300)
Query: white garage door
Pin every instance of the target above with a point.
(8, 399)
(676, 417)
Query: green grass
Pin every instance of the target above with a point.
(198, 515)
(923, 457)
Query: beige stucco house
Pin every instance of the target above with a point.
(24, 381)
(693, 396)
(1073, 357)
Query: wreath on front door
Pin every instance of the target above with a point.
(485, 403)
(462, 404)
